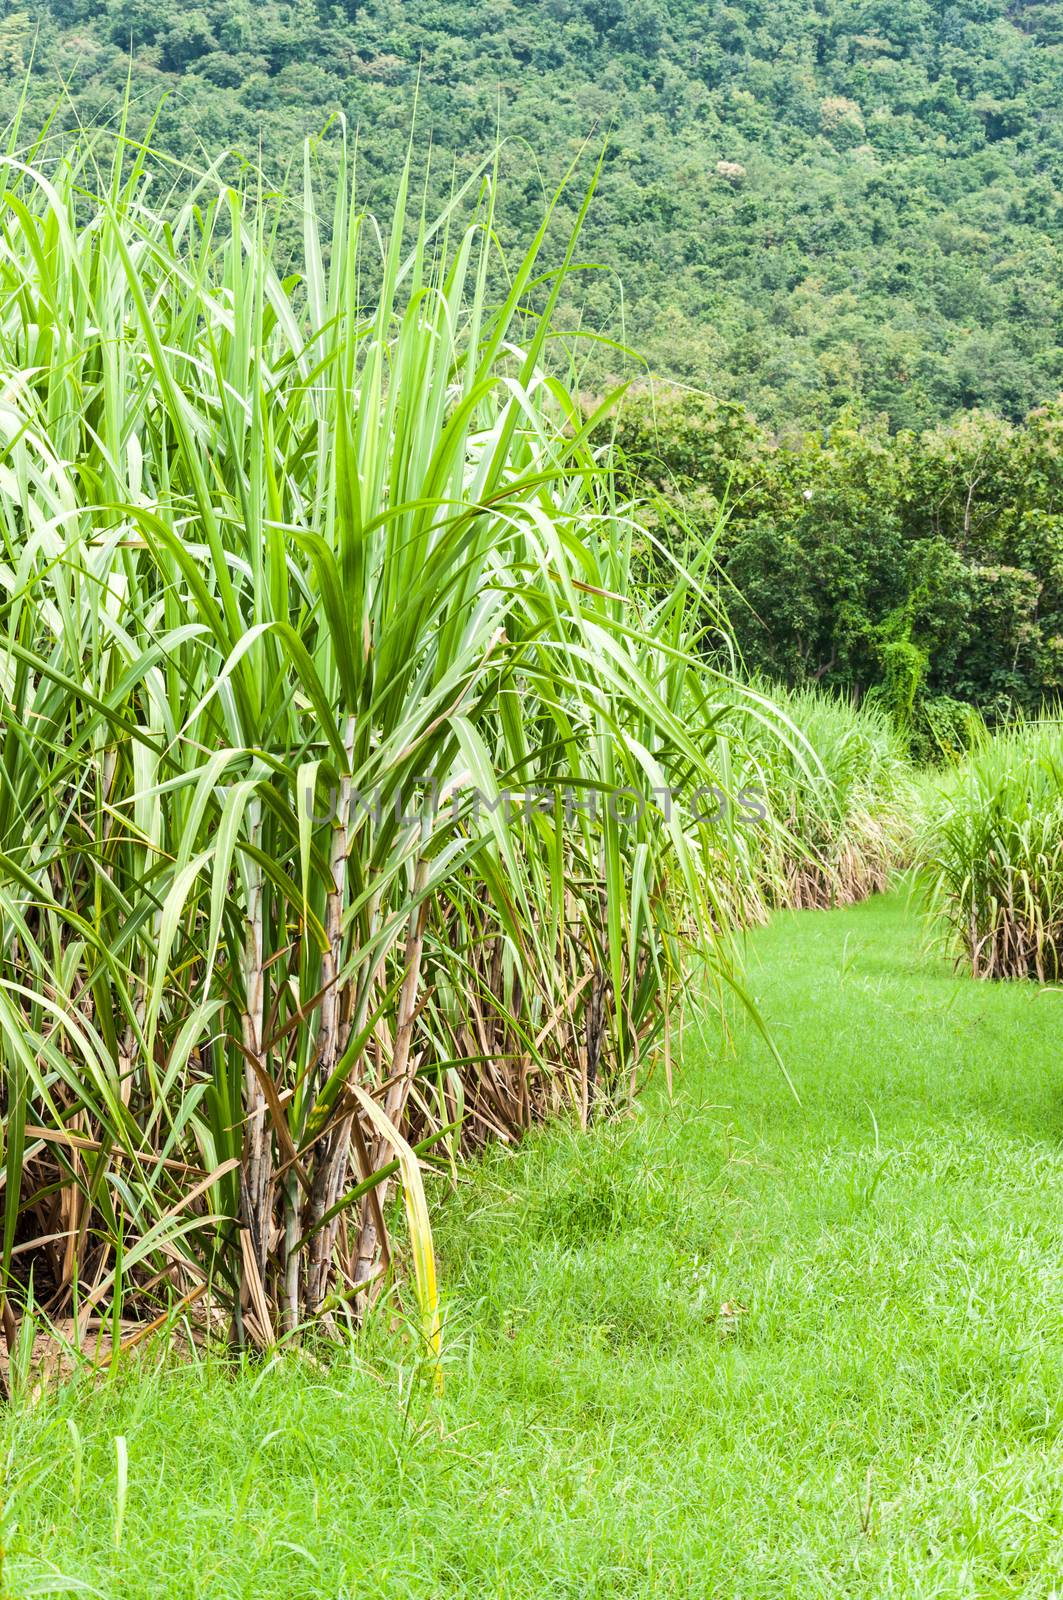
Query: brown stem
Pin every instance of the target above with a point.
(401, 1070)
(332, 1150)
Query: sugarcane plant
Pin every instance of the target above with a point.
(842, 796)
(323, 664)
(991, 846)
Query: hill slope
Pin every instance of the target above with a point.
(809, 205)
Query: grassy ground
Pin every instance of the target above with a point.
(731, 1346)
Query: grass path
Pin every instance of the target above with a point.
(729, 1347)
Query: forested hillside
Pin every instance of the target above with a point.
(809, 205)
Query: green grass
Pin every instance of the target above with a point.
(884, 1418)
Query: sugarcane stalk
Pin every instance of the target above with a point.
(255, 1174)
(332, 1147)
(401, 1073)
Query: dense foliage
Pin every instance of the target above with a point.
(836, 842)
(353, 788)
(809, 206)
(992, 844)
(925, 567)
